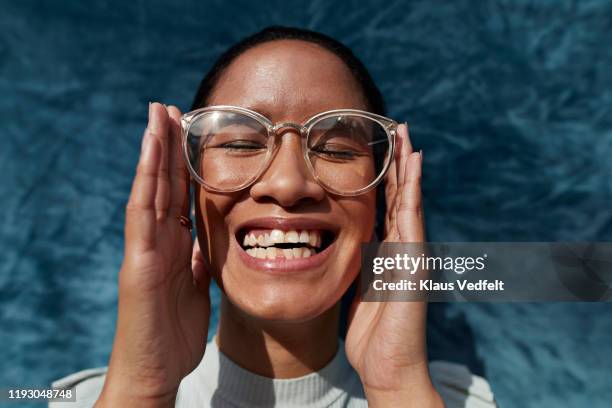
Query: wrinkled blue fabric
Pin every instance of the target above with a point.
(511, 102)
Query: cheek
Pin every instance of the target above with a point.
(361, 216)
(213, 231)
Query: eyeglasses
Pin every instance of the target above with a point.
(347, 151)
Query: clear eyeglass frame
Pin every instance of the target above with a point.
(389, 125)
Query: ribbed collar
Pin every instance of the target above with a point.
(232, 383)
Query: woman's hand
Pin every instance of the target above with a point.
(164, 311)
(385, 342)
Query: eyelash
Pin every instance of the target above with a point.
(336, 154)
(242, 145)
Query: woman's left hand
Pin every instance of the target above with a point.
(385, 341)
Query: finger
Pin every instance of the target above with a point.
(410, 227)
(410, 210)
(404, 151)
(390, 193)
(403, 146)
(140, 223)
(393, 169)
(399, 142)
(158, 127)
(392, 180)
(179, 176)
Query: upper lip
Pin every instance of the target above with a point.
(288, 223)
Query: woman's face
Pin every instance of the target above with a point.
(287, 81)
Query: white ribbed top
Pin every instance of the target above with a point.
(219, 382)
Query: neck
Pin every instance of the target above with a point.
(277, 349)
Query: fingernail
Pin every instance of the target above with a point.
(149, 114)
(421, 154)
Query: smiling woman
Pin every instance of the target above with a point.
(286, 146)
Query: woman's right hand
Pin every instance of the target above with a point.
(164, 304)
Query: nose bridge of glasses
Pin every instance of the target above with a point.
(285, 153)
(285, 125)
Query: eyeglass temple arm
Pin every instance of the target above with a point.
(393, 132)
(377, 141)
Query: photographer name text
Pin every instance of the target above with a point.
(429, 285)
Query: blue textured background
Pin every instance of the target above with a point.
(511, 102)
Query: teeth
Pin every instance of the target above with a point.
(270, 252)
(304, 237)
(263, 240)
(273, 252)
(314, 240)
(249, 240)
(292, 237)
(275, 236)
(261, 253)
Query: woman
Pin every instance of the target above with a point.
(281, 213)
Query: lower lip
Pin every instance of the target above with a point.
(283, 266)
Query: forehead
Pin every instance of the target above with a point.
(288, 80)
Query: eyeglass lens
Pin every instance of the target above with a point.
(229, 150)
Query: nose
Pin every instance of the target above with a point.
(287, 180)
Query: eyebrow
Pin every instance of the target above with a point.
(262, 110)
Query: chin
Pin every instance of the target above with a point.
(286, 302)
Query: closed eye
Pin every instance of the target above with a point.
(241, 145)
(337, 152)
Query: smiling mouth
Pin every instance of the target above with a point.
(285, 244)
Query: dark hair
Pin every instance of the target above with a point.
(371, 92)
